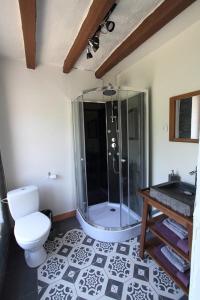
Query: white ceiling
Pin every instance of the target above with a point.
(127, 16)
(58, 23)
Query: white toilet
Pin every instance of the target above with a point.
(31, 227)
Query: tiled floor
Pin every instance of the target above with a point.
(79, 267)
(20, 280)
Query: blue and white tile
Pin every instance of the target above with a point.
(52, 269)
(141, 272)
(123, 248)
(88, 241)
(134, 254)
(60, 290)
(162, 284)
(119, 267)
(79, 267)
(52, 246)
(91, 283)
(64, 250)
(136, 289)
(74, 237)
(81, 256)
(105, 248)
(42, 286)
(131, 241)
(99, 260)
(114, 290)
(71, 274)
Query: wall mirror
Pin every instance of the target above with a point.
(184, 117)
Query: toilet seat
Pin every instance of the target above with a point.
(32, 227)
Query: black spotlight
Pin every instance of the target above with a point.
(110, 25)
(95, 43)
(89, 54)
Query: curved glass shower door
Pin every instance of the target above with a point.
(131, 155)
(110, 157)
(79, 156)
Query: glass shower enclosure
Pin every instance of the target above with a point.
(111, 160)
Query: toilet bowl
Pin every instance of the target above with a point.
(31, 227)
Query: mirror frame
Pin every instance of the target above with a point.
(172, 117)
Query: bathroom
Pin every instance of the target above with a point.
(37, 141)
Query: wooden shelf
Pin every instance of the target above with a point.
(150, 247)
(158, 234)
(160, 239)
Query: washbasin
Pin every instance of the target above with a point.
(178, 195)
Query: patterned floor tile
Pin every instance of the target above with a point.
(88, 241)
(134, 254)
(104, 247)
(99, 260)
(162, 284)
(123, 248)
(91, 283)
(79, 267)
(60, 290)
(52, 269)
(71, 274)
(131, 241)
(42, 286)
(53, 245)
(74, 237)
(64, 250)
(114, 289)
(137, 290)
(81, 256)
(119, 267)
(141, 272)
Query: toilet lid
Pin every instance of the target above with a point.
(31, 227)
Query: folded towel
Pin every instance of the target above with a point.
(176, 228)
(170, 235)
(163, 260)
(175, 259)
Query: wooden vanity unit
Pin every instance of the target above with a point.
(158, 239)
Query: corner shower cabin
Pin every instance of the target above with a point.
(111, 161)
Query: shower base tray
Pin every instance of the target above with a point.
(109, 234)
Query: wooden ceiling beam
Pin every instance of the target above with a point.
(28, 19)
(96, 14)
(167, 11)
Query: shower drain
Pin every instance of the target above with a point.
(112, 209)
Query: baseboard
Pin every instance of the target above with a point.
(64, 216)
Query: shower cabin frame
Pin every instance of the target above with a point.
(112, 234)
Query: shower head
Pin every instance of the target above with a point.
(109, 90)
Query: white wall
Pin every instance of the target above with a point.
(36, 129)
(171, 70)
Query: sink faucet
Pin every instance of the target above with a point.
(194, 172)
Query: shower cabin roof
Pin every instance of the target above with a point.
(96, 95)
